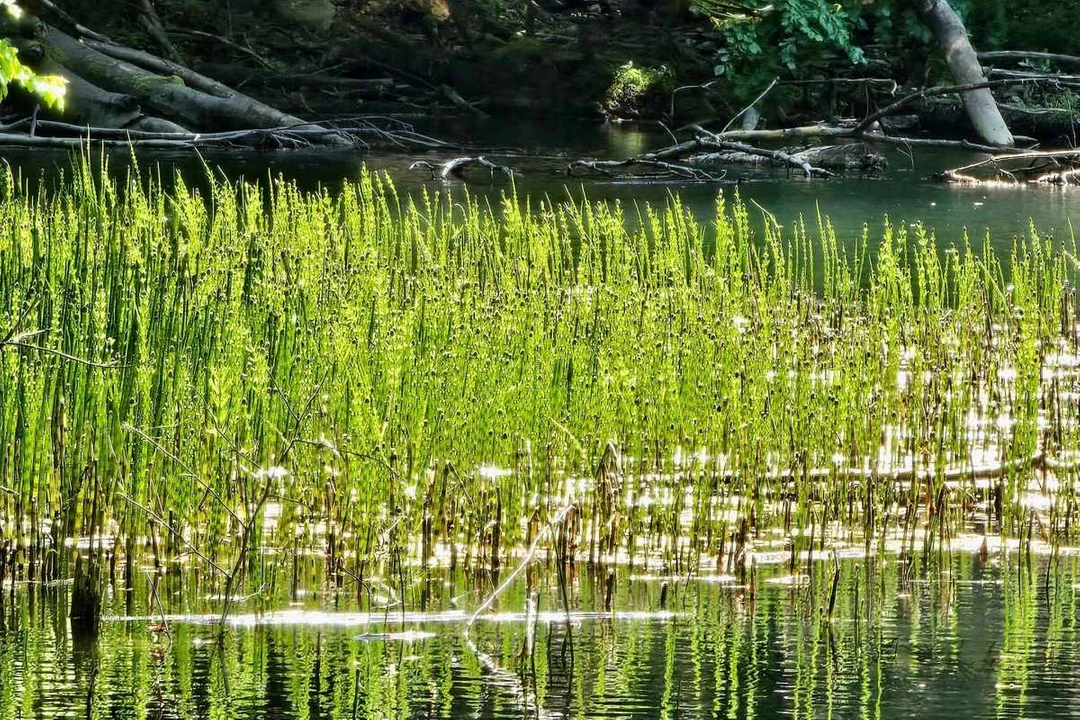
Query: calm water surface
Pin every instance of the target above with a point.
(949, 636)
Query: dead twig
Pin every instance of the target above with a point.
(225, 42)
(700, 86)
(1025, 55)
(161, 522)
(754, 102)
(20, 340)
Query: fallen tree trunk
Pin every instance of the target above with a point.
(779, 156)
(856, 156)
(1048, 167)
(112, 86)
(667, 159)
(963, 63)
(88, 105)
(161, 66)
(247, 76)
(166, 96)
(120, 97)
(834, 132)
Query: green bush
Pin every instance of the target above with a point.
(635, 89)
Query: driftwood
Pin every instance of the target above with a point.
(855, 156)
(667, 169)
(357, 134)
(665, 158)
(662, 160)
(869, 128)
(714, 141)
(166, 96)
(1048, 167)
(456, 167)
(741, 146)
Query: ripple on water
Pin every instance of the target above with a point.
(955, 635)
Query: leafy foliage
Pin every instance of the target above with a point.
(766, 40)
(51, 89)
(1026, 25)
(635, 86)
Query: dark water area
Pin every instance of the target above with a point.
(949, 636)
(904, 193)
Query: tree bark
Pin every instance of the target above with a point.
(161, 66)
(165, 96)
(89, 105)
(952, 39)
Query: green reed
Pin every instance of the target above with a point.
(284, 388)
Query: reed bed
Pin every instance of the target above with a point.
(282, 388)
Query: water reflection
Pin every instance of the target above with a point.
(903, 193)
(931, 637)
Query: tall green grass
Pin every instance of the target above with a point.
(253, 380)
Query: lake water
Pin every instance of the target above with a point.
(904, 192)
(955, 634)
(952, 635)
